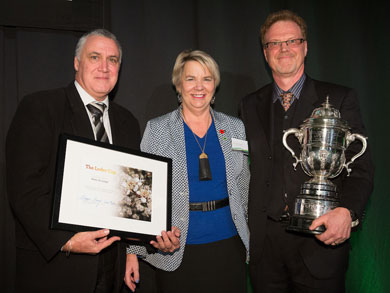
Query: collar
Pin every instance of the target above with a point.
(87, 98)
(295, 89)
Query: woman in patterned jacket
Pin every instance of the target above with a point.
(209, 187)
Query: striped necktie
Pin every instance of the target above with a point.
(97, 110)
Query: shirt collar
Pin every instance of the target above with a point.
(87, 98)
(295, 89)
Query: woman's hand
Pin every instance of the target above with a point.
(132, 271)
(168, 241)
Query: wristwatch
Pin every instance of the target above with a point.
(355, 220)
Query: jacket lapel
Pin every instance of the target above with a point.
(176, 132)
(224, 133)
(264, 109)
(119, 133)
(79, 119)
(308, 100)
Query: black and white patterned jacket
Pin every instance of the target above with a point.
(164, 136)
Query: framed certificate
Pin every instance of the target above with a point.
(105, 186)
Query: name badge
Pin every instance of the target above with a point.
(239, 145)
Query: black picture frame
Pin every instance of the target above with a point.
(99, 185)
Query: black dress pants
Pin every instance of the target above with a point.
(106, 270)
(282, 269)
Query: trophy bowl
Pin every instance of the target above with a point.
(323, 137)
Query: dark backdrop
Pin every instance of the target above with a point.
(348, 43)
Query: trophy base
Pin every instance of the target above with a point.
(302, 224)
(315, 199)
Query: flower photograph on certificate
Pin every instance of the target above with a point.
(136, 191)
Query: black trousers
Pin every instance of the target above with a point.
(207, 268)
(212, 267)
(106, 270)
(282, 269)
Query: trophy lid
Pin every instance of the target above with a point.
(326, 116)
(326, 111)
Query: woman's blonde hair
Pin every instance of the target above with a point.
(194, 55)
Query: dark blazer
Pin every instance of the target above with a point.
(31, 150)
(256, 111)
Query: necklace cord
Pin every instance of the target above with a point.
(205, 140)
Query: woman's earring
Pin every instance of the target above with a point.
(212, 100)
(179, 98)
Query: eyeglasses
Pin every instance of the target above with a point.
(290, 43)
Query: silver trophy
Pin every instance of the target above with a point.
(324, 137)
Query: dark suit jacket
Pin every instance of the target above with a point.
(256, 111)
(31, 150)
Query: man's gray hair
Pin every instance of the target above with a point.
(98, 32)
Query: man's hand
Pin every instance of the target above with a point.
(132, 271)
(338, 226)
(89, 242)
(168, 241)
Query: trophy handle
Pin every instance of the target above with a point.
(351, 138)
(298, 135)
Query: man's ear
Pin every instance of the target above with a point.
(76, 64)
(305, 48)
(265, 55)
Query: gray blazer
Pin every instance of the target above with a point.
(164, 136)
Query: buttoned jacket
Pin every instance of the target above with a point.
(164, 136)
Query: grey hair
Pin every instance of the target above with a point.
(98, 32)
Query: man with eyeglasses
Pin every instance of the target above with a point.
(282, 261)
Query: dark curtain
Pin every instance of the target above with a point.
(347, 43)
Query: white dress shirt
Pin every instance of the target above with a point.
(87, 99)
